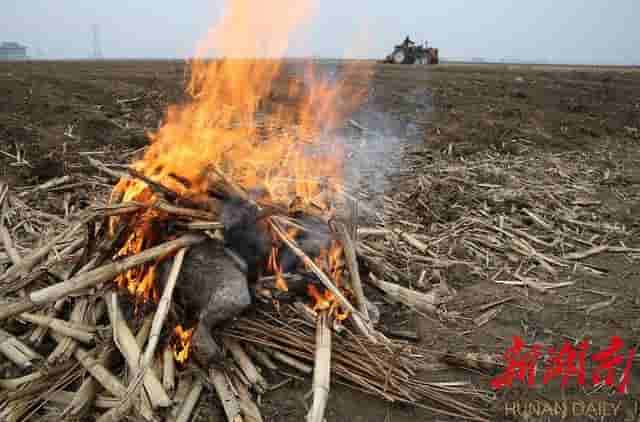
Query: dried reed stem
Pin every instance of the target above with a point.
(67, 398)
(229, 402)
(354, 271)
(245, 363)
(248, 406)
(7, 242)
(100, 373)
(91, 278)
(66, 346)
(163, 308)
(168, 371)
(184, 387)
(27, 263)
(261, 357)
(85, 397)
(126, 343)
(81, 332)
(13, 384)
(143, 332)
(290, 361)
(427, 302)
(321, 369)
(16, 351)
(190, 402)
(126, 404)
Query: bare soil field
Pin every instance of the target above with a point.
(559, 142)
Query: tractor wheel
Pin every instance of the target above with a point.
(398, 56)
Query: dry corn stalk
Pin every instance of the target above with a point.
(321, 369)
(245, 363)
(126, 343)
(229, 401)
(16, 351)
(190, 401)
(427, 302)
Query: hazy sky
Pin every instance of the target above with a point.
(562, 31)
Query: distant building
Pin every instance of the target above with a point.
(12, 51)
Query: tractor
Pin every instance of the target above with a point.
(410, 53)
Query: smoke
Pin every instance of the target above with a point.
(374, 150)
(375, 138)
(378, 135)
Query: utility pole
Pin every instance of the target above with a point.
(97, 48)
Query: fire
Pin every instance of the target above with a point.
(181, 343)
(230, 125)
(321, 303)
(220, 127)
(335, 258)
(273, 266)
(139, 281)
(332, 262)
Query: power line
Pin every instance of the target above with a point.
(97, 48)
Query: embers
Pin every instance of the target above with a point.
(181, 343)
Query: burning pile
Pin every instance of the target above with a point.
(236, 200)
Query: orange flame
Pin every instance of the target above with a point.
(332, 262)
(273, 266)
(231, 123)
(220, 125)
(181, 343)
(139, 281)
(321, 303)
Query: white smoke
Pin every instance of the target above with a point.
(376, 137)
